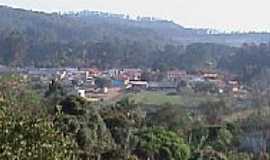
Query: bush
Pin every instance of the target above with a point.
(159, 144)
(208, 154)
(83, 122)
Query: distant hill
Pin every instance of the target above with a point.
(95, 26)
(87, 38)
(167, 30)
(87, 26)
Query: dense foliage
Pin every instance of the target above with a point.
(26, 131)
(78, 129)
(25, 137)
(158, 144)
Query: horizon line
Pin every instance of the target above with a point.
(208, 29)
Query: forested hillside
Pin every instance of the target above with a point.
(105, 40)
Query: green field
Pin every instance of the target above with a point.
(159, 98)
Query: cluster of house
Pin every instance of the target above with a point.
(133, 79)
(83, 80)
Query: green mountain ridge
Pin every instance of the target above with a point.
(104, 40)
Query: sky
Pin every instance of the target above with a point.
(223, 15)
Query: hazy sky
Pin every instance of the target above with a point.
(220, 14)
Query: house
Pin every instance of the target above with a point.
(138, 85)
(195, 78)
(176, 75)
(210, 76)
(233, 83)
(125, 74)
(91, 72)
(123, 77)
(132, 74)
(90, 80)
(114, 73)
(234, 86)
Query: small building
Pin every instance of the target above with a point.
(235, 89)
(234, 86)
(132, 73)
(210, 76)
(233, 83)
(105, 90)
(114, 73)
(176, 75)
(91, 72)
(195, 78)
(81, 93)
(138, 85)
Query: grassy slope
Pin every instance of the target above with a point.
(159, 98)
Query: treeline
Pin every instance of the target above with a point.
(248, 61)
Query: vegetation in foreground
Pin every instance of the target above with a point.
(77, 129)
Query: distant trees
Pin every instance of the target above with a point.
(14, 49)
(205, 55)
(248, 62)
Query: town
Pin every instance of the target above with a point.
(94, 84)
